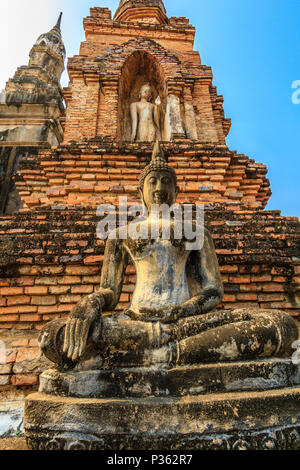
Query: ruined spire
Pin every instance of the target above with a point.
(58, 24)
(141, 11)
(53, 39)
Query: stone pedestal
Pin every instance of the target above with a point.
(251, 405)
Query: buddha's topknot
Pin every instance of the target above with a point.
(158, 163)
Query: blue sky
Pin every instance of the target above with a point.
(254, 51)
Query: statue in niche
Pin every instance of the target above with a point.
(145, 117)
(172, 319)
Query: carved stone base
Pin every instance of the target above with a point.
(247, 405)
(181, 381)
(239, 420)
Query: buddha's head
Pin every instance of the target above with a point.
(145, 92)
(158, 181)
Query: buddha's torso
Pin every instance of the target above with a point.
(145, 112)
(161, 276)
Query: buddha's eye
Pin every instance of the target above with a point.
(152, 181)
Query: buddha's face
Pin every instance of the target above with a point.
(146, 93)
(159, 188)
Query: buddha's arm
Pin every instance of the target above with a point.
(204, 280)
(208, 268)
(134, 120)
(87, 313)
(113, 270)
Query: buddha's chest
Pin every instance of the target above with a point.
(161, 276)
(159, 259)
(145, 111)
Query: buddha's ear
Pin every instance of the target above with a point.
(177, 190)
(142, 196)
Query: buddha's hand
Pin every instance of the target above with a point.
(188, 309)
(85, 315)
(205, 302)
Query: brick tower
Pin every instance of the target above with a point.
(31, 109)
(49, 252)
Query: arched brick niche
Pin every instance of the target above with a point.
(139, 68)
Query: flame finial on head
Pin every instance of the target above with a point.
(158, 163)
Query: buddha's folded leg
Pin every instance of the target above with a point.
(266, 334)
(118, 333)
(191, 326)
(121, 332)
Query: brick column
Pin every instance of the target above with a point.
(173, 121)
(82, 106)
(107, 121)
(207, 129)
(189, 117)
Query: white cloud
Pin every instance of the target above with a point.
(23, 21)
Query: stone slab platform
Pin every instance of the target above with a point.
(181, 381)
(13, 443)
(237, 420)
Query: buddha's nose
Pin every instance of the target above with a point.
(158, 185)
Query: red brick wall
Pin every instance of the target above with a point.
(96, 172)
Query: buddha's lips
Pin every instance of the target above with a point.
(160, 197)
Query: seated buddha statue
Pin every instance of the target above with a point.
(173, 318)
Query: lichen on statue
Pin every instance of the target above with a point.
(173, 318)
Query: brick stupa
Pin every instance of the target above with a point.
(58, 166)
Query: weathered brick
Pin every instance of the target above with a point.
(240, 280)
(29, 318)
(8, 318)
(28, 354)
(10, 356)
(246, 297)
(18, 300)
(94, 260)
(37, 290)
(4, 380)
(42, 309)
(81, 270)
(24, 380)
(43, 300)
(59, 290)
(69, 280)
(20, 342)
(273, 288)
(82, 289)
(265, 278)
(47, 281)
(67, 299)
(11, 291)
(229, 269)
(5, 369)
(34, 342)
